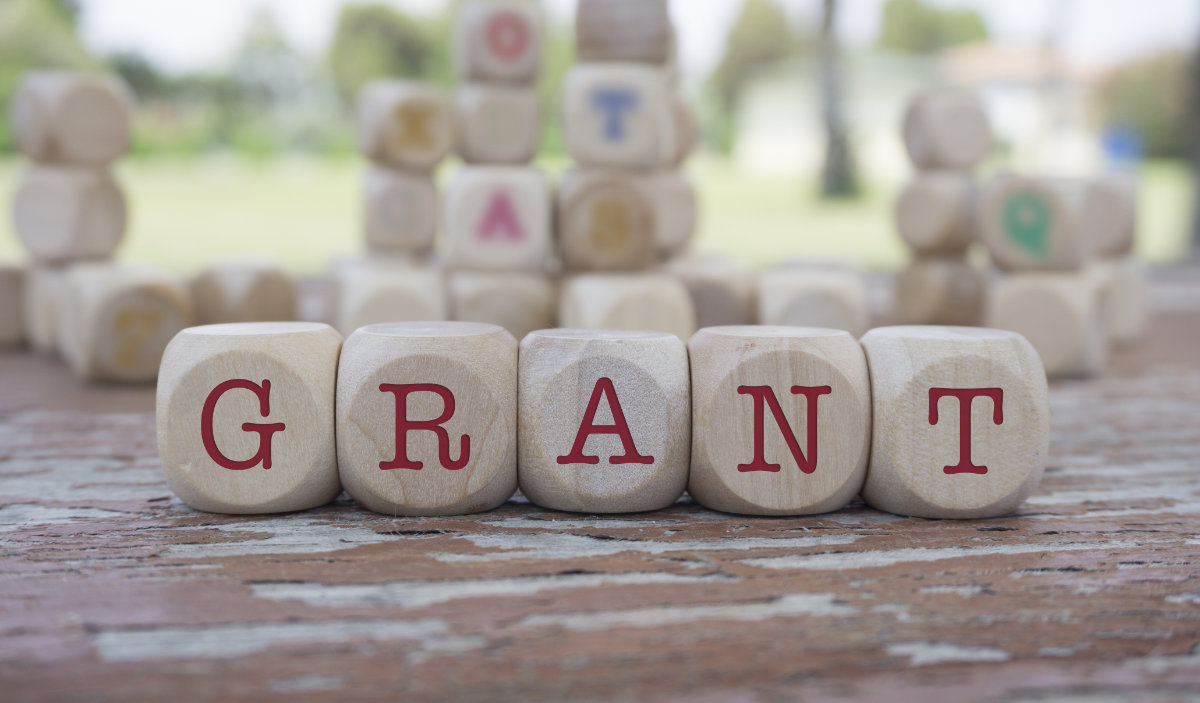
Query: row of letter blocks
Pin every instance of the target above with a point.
(423, 419)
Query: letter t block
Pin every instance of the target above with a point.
(962, 421)
(245, 416)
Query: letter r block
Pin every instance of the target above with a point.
(245, 416)
(781, 419)
(605, 420)
(427, 417)
(962, 421)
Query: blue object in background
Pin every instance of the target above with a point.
(1122, 146)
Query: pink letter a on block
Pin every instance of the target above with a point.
(500, 220)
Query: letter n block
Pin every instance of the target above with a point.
(605, 420)
(245, 416)
(427, 417)
(781, 419)
(497, 218)
(962, 421)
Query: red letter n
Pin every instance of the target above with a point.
(265, 431)
(588, 427)
(763, 395)
(965, 397)
(405, 425)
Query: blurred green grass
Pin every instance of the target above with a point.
(302, 212)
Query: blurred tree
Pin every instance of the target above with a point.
(837, 175)
(378, 41)
(913, 26)
(1150, 96)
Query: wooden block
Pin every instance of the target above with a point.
(343, 268)
(245, 416)
(1060, 313)
(519, 302)
(606, 221)
(946, 129)
(1111, 214)
(115, 320)
(798, 297)
(624, 30)
(243, 291)
(675, 211)
(498, 41)
(722, 291)
(685, 130)
(629, 301)
(809, 453)
(620, 116)
(1125, 299)
(388, 292)
(71, 118)
(497, 217)
(1036, 223)
(427, 417)
(935, 212)
(68, 213)
(405, 124)
(940, 290)
(400, 211)
(497, 124)
(42, 299)
(962, 421)
(12, 305)
(604, 420)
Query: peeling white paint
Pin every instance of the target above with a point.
(1124, 494)
(1184, 598)
(569, 524)
(293, 534)
(550, 545)
(861, 560)
(963, 591)
(791, 605)
(20, 515)
(923, 653)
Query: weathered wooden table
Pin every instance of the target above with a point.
(111, 589)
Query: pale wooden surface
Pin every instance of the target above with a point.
(946, 129)
(498, 41)
(814, 297)
(518, 302)
(401, 210)
(935, 212)
(369, 293)
(628, 301)
(645, 135)
(497, 218)
(406, 124)
(675, 211)
(723, 291)
(111, 589)
(68, 213)
(1031, 222)
(624, 30)
(940, 290)
(1059, 312)
(74, 118)
(497, 124)
(12, 305)
(606, 220)
(243, 291)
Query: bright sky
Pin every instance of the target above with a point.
(184, 34)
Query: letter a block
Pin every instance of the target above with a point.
(498, 41)
(962, 421)
(498, 217)
(781, 419)
(245, 416)
(427, 417)
(619, 115)
(605, 420)
(405, 124)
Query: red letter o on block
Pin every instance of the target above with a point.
(265, 431)
(507, 36)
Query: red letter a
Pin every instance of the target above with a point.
(763, 395)
(588, 427)
(500, 220)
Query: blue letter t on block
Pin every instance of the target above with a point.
(614, 103)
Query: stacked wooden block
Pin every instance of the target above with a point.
(446, 418)
(497, 212)
(626, 207)
(947, 134)
(109, 321)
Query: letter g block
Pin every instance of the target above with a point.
(962, 421)
(245, 416)
(427, 417)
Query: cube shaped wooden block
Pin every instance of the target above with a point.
(497, 217)
(631, 301)
(781, 419)
(498, 41)
(1111, 214)
(12, 305)
(814, 298)
(961, 421)
(243, 291)
(604, 420)
(1037, 223)
(372, 294)
(497, 124)
(624, 30)
(723, 292)
(405, 124)
(946, 129)
(519, 302)
(1125, 299)
(68, 213)
(619, 116)
(41, 302)
(245, 416)
(401, 210)
(935, 212)
(115, 320)
(1061, 314)
(427, 417)
(71, 118)
(675, 212)
(685, 130)
(940, 290)
(606, 221)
